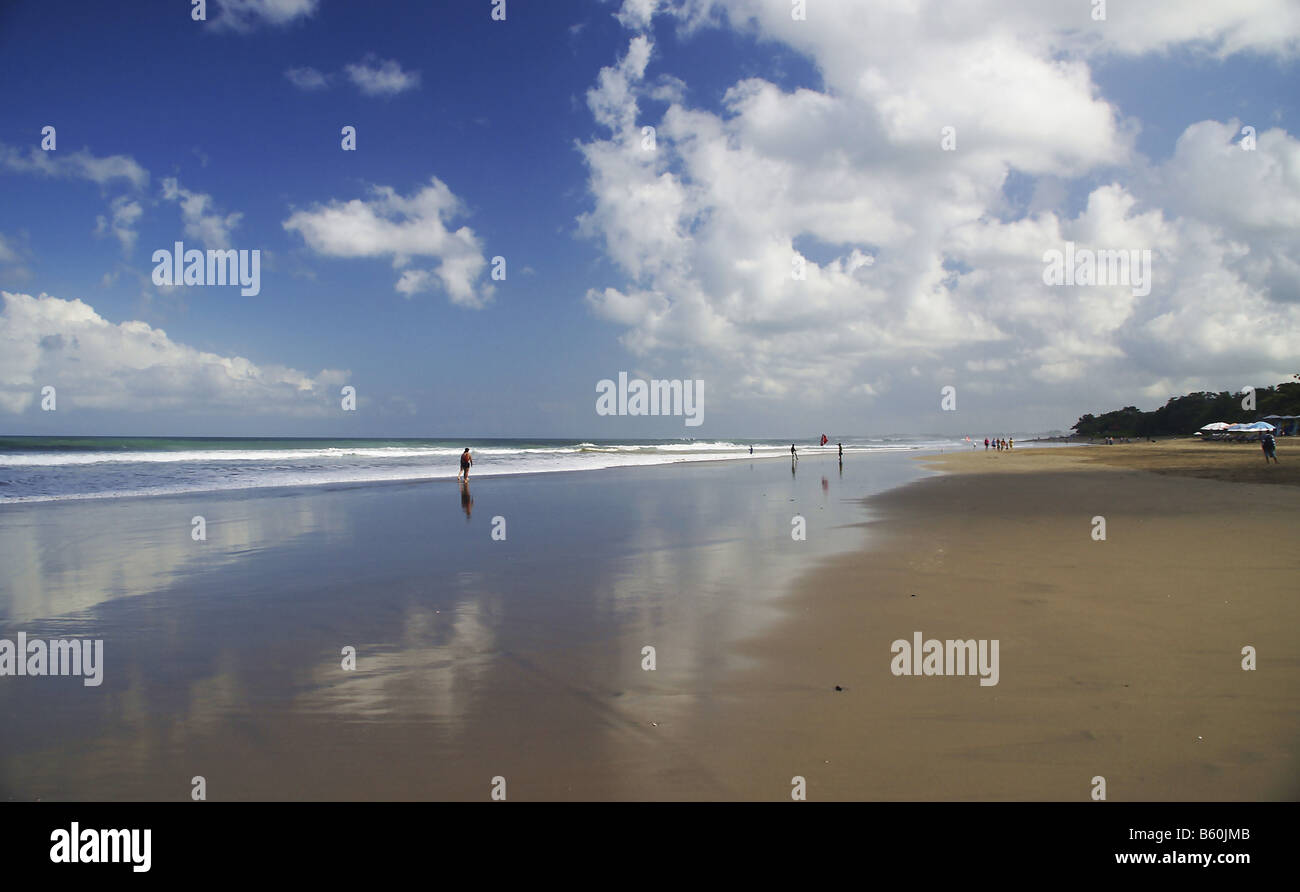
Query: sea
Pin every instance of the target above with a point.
(43, 469)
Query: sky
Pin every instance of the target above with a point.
(839, 221)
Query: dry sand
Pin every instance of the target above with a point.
(1119, 658)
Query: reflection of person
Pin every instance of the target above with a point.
(466, 500)
(465, 461)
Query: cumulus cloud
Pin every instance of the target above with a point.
(245, 15)
(636, 13)
(133, 367)
(124, 214)
(199, 215)
(81, 165)
(307, 78)
(1250, 195)
(802, 241)
(402, 227)
(376, 77)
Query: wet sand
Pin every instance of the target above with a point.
(476, 657)
(1119, 658)
(523, 658)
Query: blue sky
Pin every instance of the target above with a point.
(222, 149)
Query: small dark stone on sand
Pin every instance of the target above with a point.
(838, 688)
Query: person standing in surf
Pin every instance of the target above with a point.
(465, 461)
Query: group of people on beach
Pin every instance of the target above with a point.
(794, 456)
(999, 445)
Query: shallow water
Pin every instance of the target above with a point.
(475, 657)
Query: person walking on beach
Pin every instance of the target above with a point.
(1269, 446)
(1011, 443)
(794, 456)
(465, 461)
(841, 445)
(986, 444)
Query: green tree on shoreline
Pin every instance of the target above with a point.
(1184, 415)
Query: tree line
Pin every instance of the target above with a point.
(1183, 415)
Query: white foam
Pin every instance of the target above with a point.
(261, 469)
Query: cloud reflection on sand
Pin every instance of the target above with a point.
(79, 556)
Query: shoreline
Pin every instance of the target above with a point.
(276, 490)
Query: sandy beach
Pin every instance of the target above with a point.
(1119, 658)
(524, 659)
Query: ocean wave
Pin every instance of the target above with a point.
(43, 476)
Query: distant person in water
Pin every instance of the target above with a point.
(751, 450)
(1011, 443)
(841, 445)
(1269, 445)
(986, 444)
(465, 461)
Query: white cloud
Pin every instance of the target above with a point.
(1252, 196)
(201, 220)
(245, 15)
(307, 78)
(402, 227)
(706, 227)
(413, 281)
(7, 253)
(376, 77)
(125, 214)
(80, 165)
(133, 367)
(637, 13)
